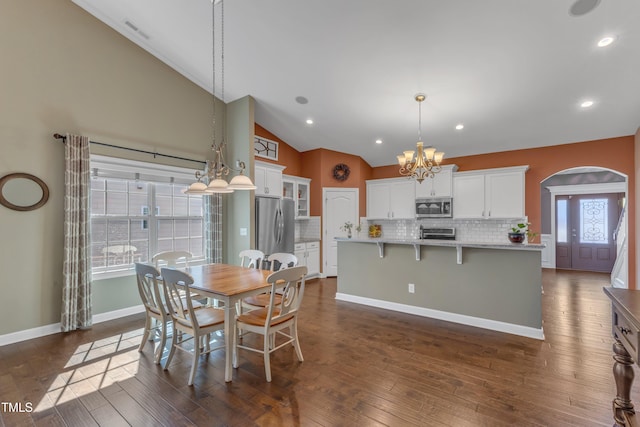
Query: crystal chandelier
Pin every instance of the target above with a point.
(216, 170)
(426, 162)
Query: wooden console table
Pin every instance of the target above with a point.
(625, 322)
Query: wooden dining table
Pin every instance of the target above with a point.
(229, 284)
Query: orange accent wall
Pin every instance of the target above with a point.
(612, 153)
(287, 155)
(318, 165)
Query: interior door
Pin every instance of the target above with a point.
(585, 226)
(340, 205)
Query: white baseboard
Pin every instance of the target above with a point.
(478, 322)
(45, 330)
(618, 283)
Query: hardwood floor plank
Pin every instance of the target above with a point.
(363, 366)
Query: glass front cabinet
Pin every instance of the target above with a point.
(297, 188)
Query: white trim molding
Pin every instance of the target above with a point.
(477, 322)
(45, 330)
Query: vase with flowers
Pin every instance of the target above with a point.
(348, 227)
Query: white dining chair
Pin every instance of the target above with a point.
(251, 258)
(281, 260)
(199, 324)
(271, 321)
(156, 313)
(171, 258)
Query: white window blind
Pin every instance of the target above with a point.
(139, 209)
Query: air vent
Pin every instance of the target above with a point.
(130, 25)
(135, 28)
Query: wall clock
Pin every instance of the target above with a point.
(341, 172)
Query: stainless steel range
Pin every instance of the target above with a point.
(442, 233)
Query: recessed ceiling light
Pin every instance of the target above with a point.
(586, 104)
(309, 121)
(459, 126)
(378, 141)
(606, 41)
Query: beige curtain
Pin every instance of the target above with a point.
(213, 228)
(76, 285)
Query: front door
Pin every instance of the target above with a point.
(585, 225)
(340, 205)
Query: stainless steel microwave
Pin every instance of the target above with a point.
(434, 207)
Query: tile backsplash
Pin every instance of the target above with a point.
(308, 229)
(468, 230)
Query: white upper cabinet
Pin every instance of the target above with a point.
(391, 199)
(489, 193)
(268, 179)
(297, 189)
(441, 185)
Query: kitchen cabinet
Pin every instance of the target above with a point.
(489, 193)
(391, 199)
(308, 254)
(268, 179)
(297, 188)
(441, 185)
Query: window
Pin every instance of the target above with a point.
(138, 210)
(266, 148)
(562, 213)
(594, 221)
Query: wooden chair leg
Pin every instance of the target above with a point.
(293, 331)
(145, 335)
(163, 342)
(267, 358)
(174, 338)
(194, 365)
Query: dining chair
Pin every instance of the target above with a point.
(283, 260)
(251, 258)
(171, 258)
(270, 321)
(157, 316)
(199, 324)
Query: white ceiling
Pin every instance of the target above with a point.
(512, 71)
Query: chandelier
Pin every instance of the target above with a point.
(426, 162)
(217, 170)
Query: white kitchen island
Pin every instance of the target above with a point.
(488, 285)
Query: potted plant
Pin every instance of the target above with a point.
(519, 231)
(347, 227)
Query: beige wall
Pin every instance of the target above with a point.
(636, 178)
(65, 71)
(239, 210)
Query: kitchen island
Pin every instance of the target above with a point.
(494, 286)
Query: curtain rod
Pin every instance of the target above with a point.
(64, 140)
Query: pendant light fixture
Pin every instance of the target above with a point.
(426, 163)
(217, 170)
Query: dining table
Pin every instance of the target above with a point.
(229, 284)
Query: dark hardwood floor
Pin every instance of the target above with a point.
(363, 367)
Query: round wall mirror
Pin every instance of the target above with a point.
(23, 192)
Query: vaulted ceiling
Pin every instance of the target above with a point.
(513, 72)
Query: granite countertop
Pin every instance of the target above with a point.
(450, 243)
(307, 240)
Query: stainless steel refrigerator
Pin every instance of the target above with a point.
(275, 226)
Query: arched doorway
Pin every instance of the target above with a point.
(583, 221)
